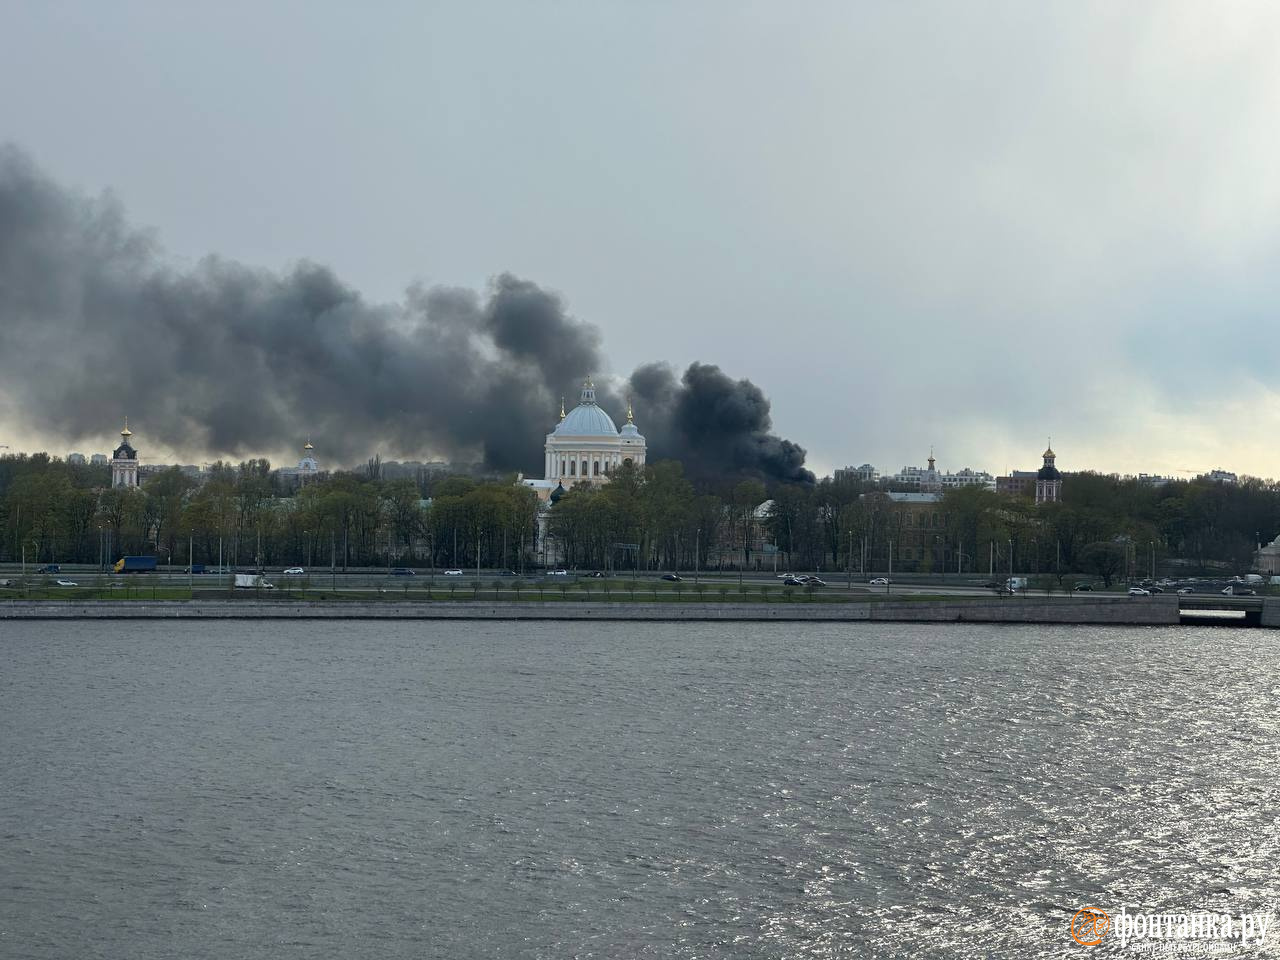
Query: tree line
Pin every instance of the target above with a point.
(651, 518)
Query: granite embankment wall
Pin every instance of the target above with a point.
(1138, 611)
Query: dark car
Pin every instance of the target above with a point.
(402, 572)
(50, 568)
(594, 575)
(507, 573)
(674, 577)
(1082, 587)
(793, 582)
(815, 581)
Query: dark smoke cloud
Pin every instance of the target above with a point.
(714, 425)
(224, 359)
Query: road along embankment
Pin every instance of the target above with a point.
(1143, 611)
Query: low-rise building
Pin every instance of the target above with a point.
(968, 478)
(865, 473)
(1017, 483)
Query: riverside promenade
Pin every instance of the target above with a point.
(1145, 611)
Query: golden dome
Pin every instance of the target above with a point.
(126, 432)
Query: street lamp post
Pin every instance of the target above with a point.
(848, 562)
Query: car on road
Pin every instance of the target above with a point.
(1183, 591)
(557, 573)
(1139, 592)
(294, 572)
(453, 573)
(508, 573)
(404, 572)
(673, 577)
(1234, 591)
(1155, 589)
(793, 582)
(879, 582)
(1082, 587)
(814, 581)
(8, 582)
(594, 575)
(49, 568)
(66, 583)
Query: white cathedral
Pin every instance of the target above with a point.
(586, 447)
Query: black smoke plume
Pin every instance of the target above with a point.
(714, 425)
(225, 359)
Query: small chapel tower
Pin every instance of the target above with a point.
(1048, 479)
(124, 461)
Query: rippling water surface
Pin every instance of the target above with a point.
(233, 789)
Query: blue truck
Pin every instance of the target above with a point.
(135, 565)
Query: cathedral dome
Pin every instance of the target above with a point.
(587, 419)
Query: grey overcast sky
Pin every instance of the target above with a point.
(961, 224)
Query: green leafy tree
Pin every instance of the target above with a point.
(1103, 559)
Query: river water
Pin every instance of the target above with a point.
(302, 789)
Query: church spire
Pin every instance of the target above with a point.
(562, 408)
(126, 432)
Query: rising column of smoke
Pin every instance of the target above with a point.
(234, 360)
(228, 359)
(716, 426)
